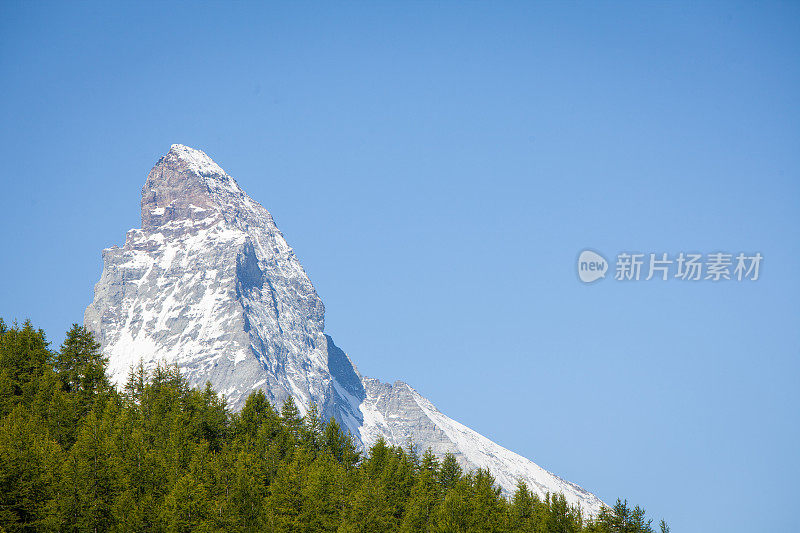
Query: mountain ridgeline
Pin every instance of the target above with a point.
(209, 283)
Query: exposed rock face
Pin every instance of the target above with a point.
(210, 283)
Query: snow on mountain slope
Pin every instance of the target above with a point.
(210, 283)
(400, 414)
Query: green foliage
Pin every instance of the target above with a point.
(78, 455)
(24, 357)
(623, 519)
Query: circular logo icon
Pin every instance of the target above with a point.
(591, 266)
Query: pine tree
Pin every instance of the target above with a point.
(24, 353)
(425, 495)
(623, 519)
(485, 500)
(325, 494)
(290, 416)
(134, 386)
(311, 429)
(367, 508)
(521, 509)
(286, 505)
(454, 512)
(562, 516)
(339, 446)
(186, 508)
(256, 412)
(212, 418)
(82, 368)
(247, 494)
(450, 472)
(89, 482)
(29, 468)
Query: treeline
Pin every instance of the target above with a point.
(78, 455)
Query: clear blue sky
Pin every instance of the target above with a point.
(437, 168)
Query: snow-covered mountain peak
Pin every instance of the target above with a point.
(186, 184)
(210, 283)
(197, 160)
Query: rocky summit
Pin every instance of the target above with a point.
(210, 283)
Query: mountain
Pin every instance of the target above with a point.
(210, 283)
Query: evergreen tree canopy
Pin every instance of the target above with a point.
(78, 455)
